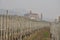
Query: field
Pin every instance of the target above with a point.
(41, 34)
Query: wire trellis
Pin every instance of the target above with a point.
(14, 28)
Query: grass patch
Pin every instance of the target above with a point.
(46, 34)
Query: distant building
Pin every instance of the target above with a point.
(31, 15)
(59, 19)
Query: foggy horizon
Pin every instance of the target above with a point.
(49, 8)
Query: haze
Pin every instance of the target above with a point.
(49, 8)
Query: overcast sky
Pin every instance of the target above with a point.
(49, 8)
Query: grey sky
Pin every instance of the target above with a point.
(49, 8)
